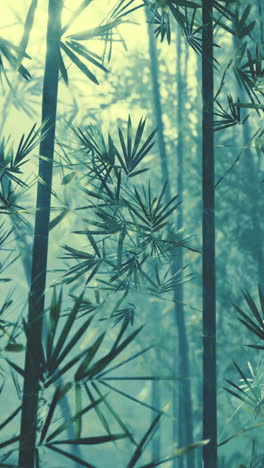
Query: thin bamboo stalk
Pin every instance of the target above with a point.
(157, 106)
(40, 244)
(184, 419)
(155, 389)
(182, 427)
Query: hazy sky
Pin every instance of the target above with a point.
(13, 15)
(81, 90)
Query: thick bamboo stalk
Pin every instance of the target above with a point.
(208, 255)
(40, 244)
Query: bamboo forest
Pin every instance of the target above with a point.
(131, 249)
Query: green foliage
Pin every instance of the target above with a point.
(10, 53)
(229, 119)
(119, 235)
(129, 228)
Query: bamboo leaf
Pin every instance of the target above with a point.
(64, 333)
(114, 414)
(54, 314)
(78, 407)
(9, 442)
(177, 453)
(90, 353)
(73, 419)
(99, 31)
(79, 64)
(26, 33)
(9, 418)
(60, 392)
(98, 411)
(144, 442)
(91, 440)
(102, 363)
(246, 429)
(70, 456)
(75, 14)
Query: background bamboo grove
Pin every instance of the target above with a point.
(131, 269)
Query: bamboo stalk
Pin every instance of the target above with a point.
(208, 254)
(182, 426)
(157, 106)
(183, 421)
(40, 244)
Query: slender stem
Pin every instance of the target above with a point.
(157, 110)
(208, 255)
(40, 244)
(182, 430)
(157, 105)
(184, 418)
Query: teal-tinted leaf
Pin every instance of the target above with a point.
(29, 142)
(54, 315)
(62, 67)
(60, 392)
(122, 9)
(261, 299)
(253, 307)
(55, 221)
(70, 456)
(79, 64)
(99, 31)
(75, 14)
(255, 347)
(76, 337)
(253, 326)
(57, 373)
(78, 408)
(92, 440)
(68, 178)
(98, 411)
(246, 429)
(14, 347)
(144, 441)
(65, 331)
(246, 381)
(121, 239)
(85, 53)
(131, 358)
(9, 442)
(114, 414)
(10, 418)
(254, 329)
(9, 51)
(247, 398)
(140, 171)
(90, 353)
(73, 419)
(27, 30)
(129, 397)
(177, 453)
(17, 368)
(102, 363)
